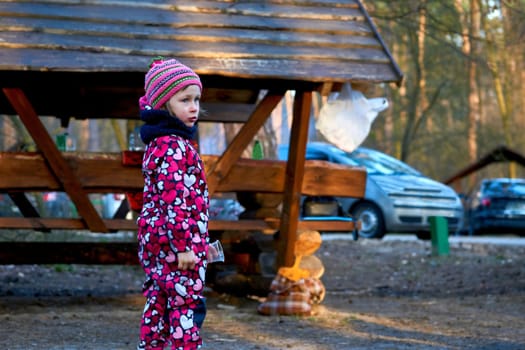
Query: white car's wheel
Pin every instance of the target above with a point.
(372, 222)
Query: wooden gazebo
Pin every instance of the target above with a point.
(87, 59)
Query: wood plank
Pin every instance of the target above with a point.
(228, 96)
(210, 49)
(280, 69)
(112, 224)
(27, 172)
(57, 164)
(126, 225)
(249, 174)
(336, 182)
(251, 14)
(196, 4)
(200, 34)
(269, 224)
(327, 225)
(226, 112)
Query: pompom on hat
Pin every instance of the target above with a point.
(163, 80)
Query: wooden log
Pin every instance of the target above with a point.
(265, 225)
(105, 173)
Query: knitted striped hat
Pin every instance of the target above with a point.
(163, 80)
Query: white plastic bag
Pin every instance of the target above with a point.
(346, 120)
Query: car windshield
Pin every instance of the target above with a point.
(505, 188)
(375, 162)
(378, 163)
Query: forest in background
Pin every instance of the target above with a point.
(462, 93)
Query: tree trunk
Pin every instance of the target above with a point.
(470, 33)
(423, 101)
(498, 66)
(473, 99)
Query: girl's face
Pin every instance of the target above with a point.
(185, 105)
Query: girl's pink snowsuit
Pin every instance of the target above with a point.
(174, 218)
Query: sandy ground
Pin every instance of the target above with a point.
(380, 295)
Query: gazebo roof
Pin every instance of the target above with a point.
(234, 45)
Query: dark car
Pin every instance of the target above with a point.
(398, 198)
(496, 206)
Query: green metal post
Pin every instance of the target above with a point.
(439, 235)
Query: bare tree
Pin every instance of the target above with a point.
(470, 29)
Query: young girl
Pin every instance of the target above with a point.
(173, 224)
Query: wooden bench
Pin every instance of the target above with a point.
(108, 173)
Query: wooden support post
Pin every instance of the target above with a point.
(294, 178)
(55, 160)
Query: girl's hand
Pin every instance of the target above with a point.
(187, 260)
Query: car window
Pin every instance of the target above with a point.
(492, 188)
(379, 163)
(505, 188)
(518, 188)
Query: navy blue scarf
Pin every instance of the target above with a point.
(160, 123)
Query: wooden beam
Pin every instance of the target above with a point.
(498, 154)
(294, 178)
(53, 156)
(261, 113)
(130, 225)
(265, 225)
(105, 173)
(227, 113)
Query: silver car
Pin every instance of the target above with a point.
(397, 198)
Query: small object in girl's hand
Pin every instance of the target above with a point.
(215, 252)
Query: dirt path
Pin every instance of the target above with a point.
(380, 295)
